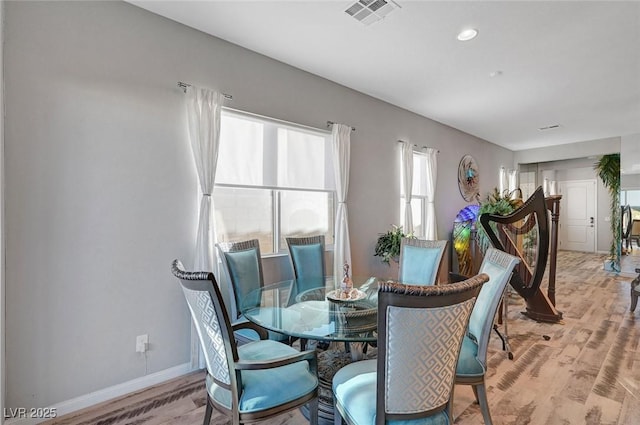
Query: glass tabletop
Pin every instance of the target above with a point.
(313, 309)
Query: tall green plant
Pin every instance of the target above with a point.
(608, 169)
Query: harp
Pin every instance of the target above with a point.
(526, 233)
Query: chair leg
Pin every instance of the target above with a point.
(481, 394)
(337, 417)
(207, 413)
(475, 393)
(634, 298)
(313, 411)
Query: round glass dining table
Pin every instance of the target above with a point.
(315, 309)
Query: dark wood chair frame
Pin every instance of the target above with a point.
(416, 296)
(626, 223)
(205, 282)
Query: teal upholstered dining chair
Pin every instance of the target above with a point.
(306, 255)
(420, 331)
(420, 261)
(242, 264)
(251, 382)
(307, 261)
(472, 364)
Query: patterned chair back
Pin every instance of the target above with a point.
(420, 261)
(242, 263)
(211, 321)
(420, 331)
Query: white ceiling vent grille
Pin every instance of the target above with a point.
(370, 11)
(549, 127)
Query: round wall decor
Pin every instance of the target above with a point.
(468, 179)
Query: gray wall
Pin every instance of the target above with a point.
(2, 228)
(101, 190)
(569, 151)
(629, 181)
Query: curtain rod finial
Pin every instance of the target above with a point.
(330, 123)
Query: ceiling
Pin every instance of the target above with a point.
(575, 64)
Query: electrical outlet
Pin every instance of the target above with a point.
(142, 343)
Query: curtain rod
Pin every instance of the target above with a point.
(330, 123)
(184, 86)
(423, 147)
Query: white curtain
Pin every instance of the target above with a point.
(503, 180)
(550, 187)
(203, 112)
(430, 184)
(512, 180)
(407, 182)
(341, 135)
(203, 115)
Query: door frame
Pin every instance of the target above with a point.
(562, 184)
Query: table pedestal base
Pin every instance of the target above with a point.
(329, 362)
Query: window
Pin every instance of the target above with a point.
(418, 195)
(273, 180)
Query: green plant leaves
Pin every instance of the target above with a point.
(388, 245)
(608, 169)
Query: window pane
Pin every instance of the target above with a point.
(419, 175)
(303, 160)
(240, 154)
(242, 214)
(416, 215)
(418, 185)
(306, 214)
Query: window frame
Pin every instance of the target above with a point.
(414, 197)
(280, 249)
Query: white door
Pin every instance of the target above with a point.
(578, 215)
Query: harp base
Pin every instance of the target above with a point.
(540, 309)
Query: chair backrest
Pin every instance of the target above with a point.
(211, 321)
(242, 264)
(420, 261)
(498, 265)
(420, 332)
(307, 260)
(635, 228)
(626, 220)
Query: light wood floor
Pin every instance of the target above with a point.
(587, 372)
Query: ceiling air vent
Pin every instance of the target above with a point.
(549, 127)
(370, 11)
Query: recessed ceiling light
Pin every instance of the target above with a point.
(468, 34)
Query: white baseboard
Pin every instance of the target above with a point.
(105, 394)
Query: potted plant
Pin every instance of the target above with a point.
(608, 169)
(388, 245)
(498, 204)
